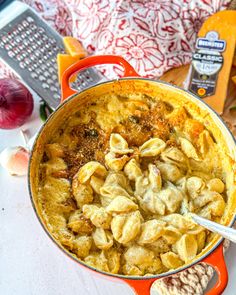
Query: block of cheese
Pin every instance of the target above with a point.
(64, 61)
(227, 16)
(74, 47)
(226, 32)
(222, 25)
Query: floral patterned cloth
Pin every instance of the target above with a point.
(153, 35)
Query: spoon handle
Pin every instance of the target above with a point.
(226, 232)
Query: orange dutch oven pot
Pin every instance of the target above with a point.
(141, 285)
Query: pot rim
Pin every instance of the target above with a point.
(119, 276)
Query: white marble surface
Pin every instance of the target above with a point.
(30, 264)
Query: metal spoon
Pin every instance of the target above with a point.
(226, 232)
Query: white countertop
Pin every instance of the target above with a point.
(30, 263)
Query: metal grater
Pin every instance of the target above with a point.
(30, 47)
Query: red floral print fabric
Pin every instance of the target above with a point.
(153, 35)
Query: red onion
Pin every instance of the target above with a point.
(16, 104)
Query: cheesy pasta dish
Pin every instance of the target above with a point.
(119, 179)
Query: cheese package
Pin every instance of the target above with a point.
(213, 59)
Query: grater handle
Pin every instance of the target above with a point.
(90, 62)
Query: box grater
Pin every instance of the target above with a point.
(29, 47)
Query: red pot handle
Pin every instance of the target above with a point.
(217, 261)
(141, 287)
(90, 62)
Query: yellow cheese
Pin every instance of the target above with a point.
(74, 47)
(226, 29)
(226, 16)
(229, 17)
(64, 61)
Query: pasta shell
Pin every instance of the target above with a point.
(171, 197)
(121, 204)
(113, 259)
(98, 216)
(216, 207)
(82, 246)
(54, 150)
(187, 247)
(201, 239)
(216, 185)
(171, 234)
(154, 178)
(150, 202)
(54, 165)
(155, 267)
(194, 186)
(97, 260)
(131, 270)
(120, 179)
(115, 163)
(171, 260)
(116, 184)
(66, 238)
(83, 193)
(113, 190)
(141, 186)
(205, 198)
(152, 147)
(96, 183)
(188, 148)
(169, 171)
(183, 223)
(103, 239)
(106, 199)
(174, 156)
(139, 256)
(159, 246)
(126, 227)
(89, 169)
(151, 230)
(78, 224)
(119, 145)
(132, 170)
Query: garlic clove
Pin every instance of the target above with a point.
(15, 160)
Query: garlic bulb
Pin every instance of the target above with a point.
(15, 160)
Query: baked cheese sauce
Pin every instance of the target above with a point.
(118, 181)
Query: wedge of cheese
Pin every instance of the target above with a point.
(75, 52)
(226, 16)
(228, 33)
(64, 61)
(73, 47)
(224, 23)
(229, 17)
